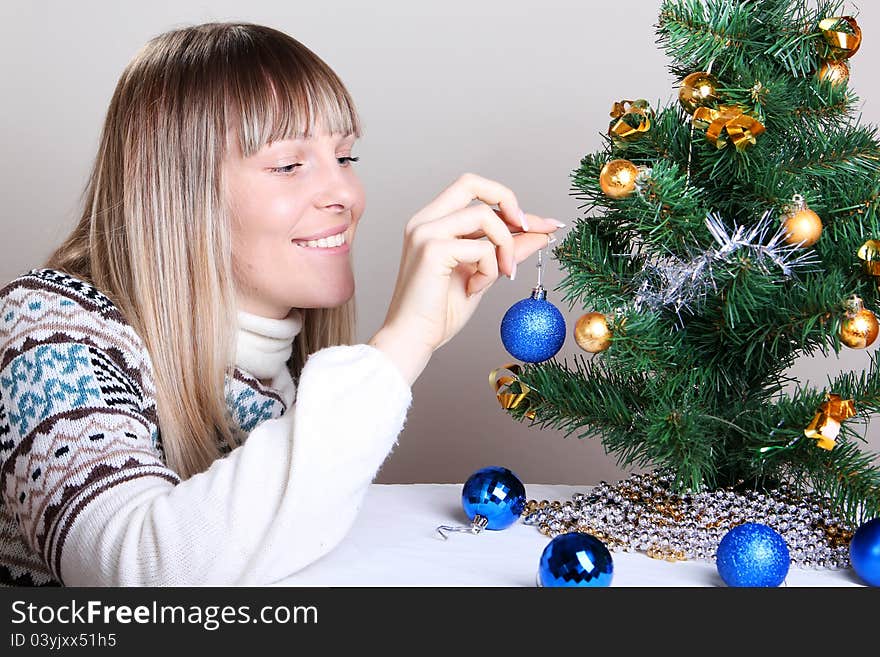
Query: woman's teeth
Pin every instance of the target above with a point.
(325, 242)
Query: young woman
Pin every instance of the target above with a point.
(180, 399)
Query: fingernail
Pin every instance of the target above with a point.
(522, 219)
(556, 222)
(513, 273)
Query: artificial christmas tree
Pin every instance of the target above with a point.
(728, 233)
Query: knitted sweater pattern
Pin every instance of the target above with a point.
(78, 415)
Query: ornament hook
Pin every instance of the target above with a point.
(539, 288)
(479, 524)
(854, 305)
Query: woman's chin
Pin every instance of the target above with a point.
(337, 298)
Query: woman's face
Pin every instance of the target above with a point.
(285, 193)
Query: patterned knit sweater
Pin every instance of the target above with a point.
(86, 498)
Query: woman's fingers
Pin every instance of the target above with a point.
(536, 223)
(526, 244)
(542, 224)
(478, 220)
(478, 252)
(469, 187)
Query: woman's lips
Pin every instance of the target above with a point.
(341, 228)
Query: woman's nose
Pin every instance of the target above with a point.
(340, 191)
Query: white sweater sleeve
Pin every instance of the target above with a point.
(272, 506)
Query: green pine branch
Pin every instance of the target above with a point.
(691, 31)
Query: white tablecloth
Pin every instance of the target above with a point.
(394, 542)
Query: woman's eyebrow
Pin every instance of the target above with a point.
(301, 141)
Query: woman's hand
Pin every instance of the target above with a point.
(446, 266)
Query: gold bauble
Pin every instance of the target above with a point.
(699, 89)
(834, 72)
(592, 333)
(859, 330)
(618, 178)
(803, 225)
(869, 253)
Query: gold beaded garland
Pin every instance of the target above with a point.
(618, 178)
(591, 333)
(644, 513)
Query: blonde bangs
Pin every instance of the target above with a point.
(294, 95)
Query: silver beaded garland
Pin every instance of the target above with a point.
(642, 513)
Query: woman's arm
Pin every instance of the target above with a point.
(409, 356)
(272, 506)
(82, 473)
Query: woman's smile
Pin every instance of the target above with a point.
(333, 240)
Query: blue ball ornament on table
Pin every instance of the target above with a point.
(752, 555)
(496, 494)
(864, 552)
(533, 330)
(575, 559)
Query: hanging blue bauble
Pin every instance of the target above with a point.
(533, 329)
(496, 494)
(752, 554)
(864, 552)
(575, 559)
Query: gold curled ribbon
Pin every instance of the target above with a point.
(870, 253)
(841, 44)
(826, 424)
(509, 399)
(622, 128)
(728, 122)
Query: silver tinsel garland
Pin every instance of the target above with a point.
(670, 281)
(642, 513)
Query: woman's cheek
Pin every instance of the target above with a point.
(283, 215)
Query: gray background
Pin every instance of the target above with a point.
(513, 91)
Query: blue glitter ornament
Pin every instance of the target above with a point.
(533, 329)
(575, 559)
(864, 552)
(496, 494)
(752, 554)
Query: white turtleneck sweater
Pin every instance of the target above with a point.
(263, 347)
(272, 506)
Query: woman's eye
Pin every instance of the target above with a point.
(286, 169)
(344, 161)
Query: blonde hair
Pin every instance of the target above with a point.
(154, 232)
